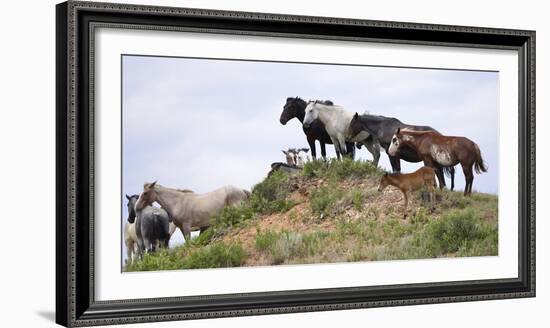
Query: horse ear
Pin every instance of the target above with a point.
(152, 185)
(305, 149)
(127, 197)
(356, 115)
(284, 152)
(398, 130)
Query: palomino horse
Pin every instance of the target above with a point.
(439, 150)
(409, 182)
(187, 209)
(383, 128)
(152, 225)
(296, 108)
(336, 120)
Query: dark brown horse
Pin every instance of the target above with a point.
(439, 150)
(295, 108)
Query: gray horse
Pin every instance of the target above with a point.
(152, 225)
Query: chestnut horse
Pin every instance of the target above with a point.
(439, 150)
(409, 182)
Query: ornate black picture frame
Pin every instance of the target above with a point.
(75, 301)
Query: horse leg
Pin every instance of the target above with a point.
(140, 248)
(186, 230)
(129, 252)
(469, 176)
(337, 148)
(438, 171)
(452, 172)
(323, 149)
(406, 195)
(343, 147)
(393, 163)
(311, 143)
(374, 148)
(148, 245)
(133, 251)
(350, 149)
(440, 176)
(431, 190)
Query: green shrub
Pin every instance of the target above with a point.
(458, 229)
(286, 245)
(314, 168)
(324, 199)
(270, 195)
(218, 255)
(356, 197)
(347, 228)
(265, 239)
(274, 187)
(161, 260)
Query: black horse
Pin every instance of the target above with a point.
(295, 108)
(152, 225)
(383, 128)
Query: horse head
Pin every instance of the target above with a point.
(294, 107)
(400, 137)
(355, 127)
(132, 207)
(312, 113)
(291, 156)
(147, 197)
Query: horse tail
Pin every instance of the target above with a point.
(479, 165)
(447, 171)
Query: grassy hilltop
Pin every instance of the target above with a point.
(332, 212)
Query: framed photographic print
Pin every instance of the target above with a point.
(214, 163)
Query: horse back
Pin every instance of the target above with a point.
(154, 223)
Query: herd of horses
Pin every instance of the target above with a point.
(150, 227)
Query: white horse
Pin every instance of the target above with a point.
(190, 211)
(336, 120)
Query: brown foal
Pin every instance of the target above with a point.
(409, 182)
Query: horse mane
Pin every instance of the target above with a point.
(322, 102)
(415, 132)
(298, 99)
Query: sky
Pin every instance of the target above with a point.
(203, 123)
